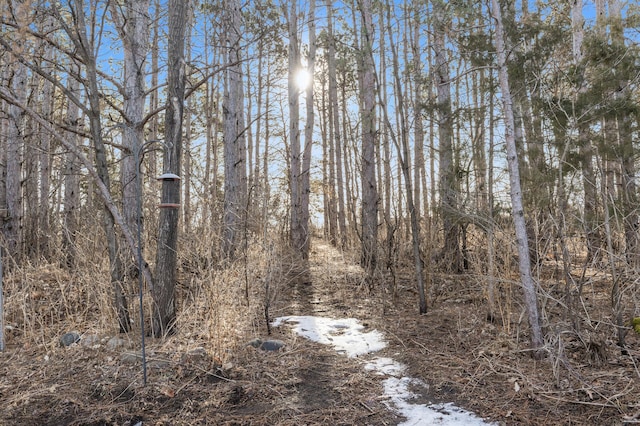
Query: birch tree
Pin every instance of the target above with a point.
(305, 173)
(526, 279)
(295, 224)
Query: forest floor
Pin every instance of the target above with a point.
(481, 366)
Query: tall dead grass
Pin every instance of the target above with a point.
(220, 304)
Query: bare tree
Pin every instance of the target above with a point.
(166, 258)
(335, 132)
(235, 174)
(451, 255)
(295, 224)
(132, 23)
(528, 284)
(402, 147)
(43, 209)
(71, 182)
(85, 46)
(305, 173)
(15, 143)
(369, 141)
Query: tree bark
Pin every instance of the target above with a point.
(44, 161)
(305, 178)
(335, 133)
(235, 175)
(71, 184)
(132, 24)
(295, 226)
(528, 284)
(451, 255)
(166, 258)
(369, 140)
(86, 48)
(15, 145)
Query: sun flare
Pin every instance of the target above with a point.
(303, 79)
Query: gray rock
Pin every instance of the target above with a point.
(255, 343)
(272, 345)
(69, 339)
(90, 340)
(115, 343)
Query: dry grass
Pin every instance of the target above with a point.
(206, 374)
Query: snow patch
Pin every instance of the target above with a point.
(385, 367)
(397, 390)
(347, 337)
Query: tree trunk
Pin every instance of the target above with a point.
(235, 175)
(369, 140)
(594, 241)
(528, 284)
(186, 182)
(418, 101)
(295, 225)
(133, 29)
(44, 215)
(305, 179)
(403, 157)
(71, 184)
(86, 47)
(336, 131)
(166, 258)
(451, 255)
(4, 147)
(15, 145)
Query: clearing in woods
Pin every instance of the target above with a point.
(455, 353)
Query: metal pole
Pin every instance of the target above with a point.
(139, 255)
(1, 306)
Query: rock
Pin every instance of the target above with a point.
(69, 339)
(272, 345)
(115, 343)
(267, 345)
(90, 340)
(255, 343)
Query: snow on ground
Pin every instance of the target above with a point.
(345, 335)
(348, 338)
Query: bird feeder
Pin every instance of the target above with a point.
(169, 177)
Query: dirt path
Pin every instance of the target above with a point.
(329, 304)
(330, 388)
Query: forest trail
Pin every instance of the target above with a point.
(324, 301)
(329, 387)
(455, 354)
